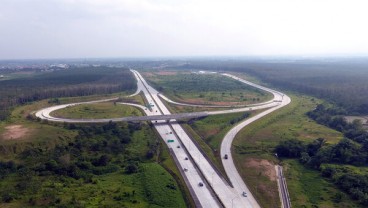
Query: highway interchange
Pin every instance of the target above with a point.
(195, 168)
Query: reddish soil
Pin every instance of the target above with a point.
(198, 101)
(264, 166)
(166, 73)
(14, 132)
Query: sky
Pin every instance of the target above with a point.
(155, 28)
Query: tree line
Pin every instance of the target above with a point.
(63, 83)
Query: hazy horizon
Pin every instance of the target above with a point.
(77, 29)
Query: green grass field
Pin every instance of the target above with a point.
(213, 128)
(308, 189)
(97, 110)
(254, 157)
(186, 87)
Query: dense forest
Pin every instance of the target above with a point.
(63, 83)
(342, 81)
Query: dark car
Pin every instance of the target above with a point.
(225, 157)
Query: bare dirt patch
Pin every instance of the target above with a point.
(166, 73)
(15, 132)
(148, 74)
(362, 119)
(198, 101)
(212, 132)
(263, 166)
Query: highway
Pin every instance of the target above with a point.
(228, 196)
(215, 192)
(201, 194)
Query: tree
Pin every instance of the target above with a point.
(313, 147)
(290, 148)
(304, 158)
(102, 161)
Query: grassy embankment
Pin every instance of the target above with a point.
(254, 157)
(208, 133)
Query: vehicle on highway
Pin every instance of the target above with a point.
(244, 194)
(178, 146)
(185, 158)
(225, 157)
(185, 169)
(200, 184)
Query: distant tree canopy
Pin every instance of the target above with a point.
(341, 81)
(63, 83)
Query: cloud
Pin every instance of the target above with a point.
(101, 28)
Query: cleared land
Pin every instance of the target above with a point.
(15, 132)
(362, 119)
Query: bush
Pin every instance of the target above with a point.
(131, 168)
(7, 197)
(290, 148)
